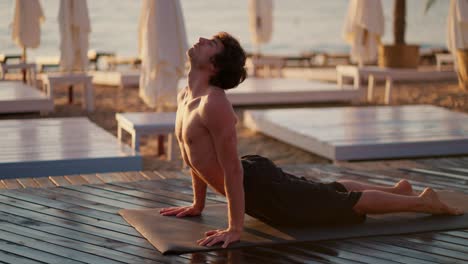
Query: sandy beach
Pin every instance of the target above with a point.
(110, 100)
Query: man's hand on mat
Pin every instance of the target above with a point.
(181, 211)
(216, 236)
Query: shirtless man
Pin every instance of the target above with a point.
(205, 130)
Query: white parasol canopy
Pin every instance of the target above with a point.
(162, 48)
(26, 31)
(261, 21)
(74, 34)
(364, 26)
(457, 26)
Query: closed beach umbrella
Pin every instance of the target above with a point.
(162, 48)
(260, 21)
(457, 26)
(26, 31)
(457, 38)
(74, 35)
(364, 26)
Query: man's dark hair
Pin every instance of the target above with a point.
(229, 63)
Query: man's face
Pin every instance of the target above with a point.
(202, 51)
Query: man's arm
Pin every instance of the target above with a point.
(220, 120)
(199, 195)
(199, 191)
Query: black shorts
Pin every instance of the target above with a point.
(279, 198)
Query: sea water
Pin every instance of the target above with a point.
(299, 25)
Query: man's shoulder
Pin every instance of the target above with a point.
(215, 106)
(216, 99)
(182, 94)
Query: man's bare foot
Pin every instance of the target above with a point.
(435, 206)
(403, 187)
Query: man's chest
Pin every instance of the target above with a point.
(189, 125)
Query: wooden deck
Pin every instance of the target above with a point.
(17, 97)
(61, 146)
(360, 133)
(77, 221)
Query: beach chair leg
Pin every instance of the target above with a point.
(119, 133)
(161, 145)
(2, 72)
(88, 100)
(170, 147)
(135, 140)
(339, 79)
(357, 80)
(388, 90)
(34, 77)
(70, 94)
(370, 88)
(47, 88)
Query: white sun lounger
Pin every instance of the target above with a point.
(443, 58)
(357, 133)
(260, 91)
(119, 78)
(389, 75)
(17, 97)
(142, 123)
(61, 146)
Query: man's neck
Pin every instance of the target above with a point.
(198, 82)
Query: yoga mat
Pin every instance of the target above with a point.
(172, 235)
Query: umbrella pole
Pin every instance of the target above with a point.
(23, 58)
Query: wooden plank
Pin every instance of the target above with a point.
(416, 256)
(54, 249)
(59, 180)
(134, 176)
(439, 255)
(312, 251)
(28, 183)
(11, 184)
(115, 196)
(160, 196)
(44, 182)
(20, 207)
(91, 178)
(151, 175)
(2, 185)
(375, 250)
(112, 177)
(99, 199)
(75, 179)
(61, 195)
(94, 250)
(461, 251)
(74, 225)
(28, 252)
(7, 257)
(67, 207)
(444, 241)
(440, 174)
(162, 187)
(170, 174)
(84, 237)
